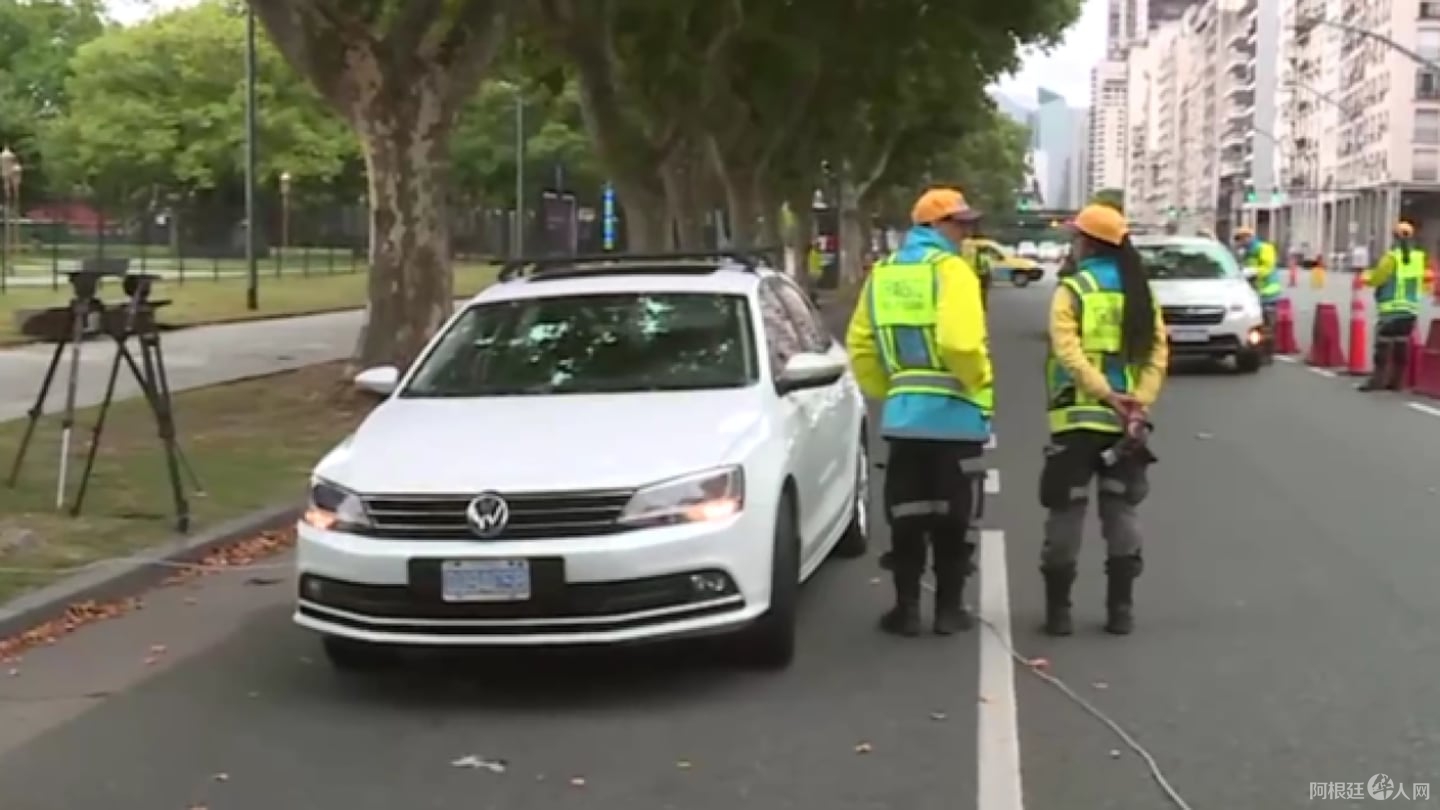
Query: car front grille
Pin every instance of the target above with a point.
(533, 515)
(1193, 316)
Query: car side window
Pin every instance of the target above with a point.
(808, 325)
(781, 335)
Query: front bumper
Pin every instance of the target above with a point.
(1234, 335)
(643, 585)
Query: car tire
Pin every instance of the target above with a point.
(856, 539)
(1020, 278)
(770, 642)
(1248, 362)
(348, 655)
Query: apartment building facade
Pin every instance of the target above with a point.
(1108, 113)
(1365, 121)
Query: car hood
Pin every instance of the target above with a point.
(1200, 291)
(527, 444)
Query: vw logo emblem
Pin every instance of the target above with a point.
(487, 514)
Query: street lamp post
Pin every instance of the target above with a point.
(517, 233)
(1308, 24)
(252, 266)
(285, 211)
(10, 174)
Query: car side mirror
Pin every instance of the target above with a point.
(809, 370)
(380, 380)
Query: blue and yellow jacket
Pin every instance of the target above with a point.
(1066, 345)
(961, 339)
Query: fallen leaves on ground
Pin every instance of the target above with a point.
(238, 554)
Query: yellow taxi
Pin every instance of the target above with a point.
(1003, 261)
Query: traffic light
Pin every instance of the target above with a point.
(1023, 204)
(1250, 196)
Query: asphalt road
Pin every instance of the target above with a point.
(1284, 639)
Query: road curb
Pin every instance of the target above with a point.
(107, 582)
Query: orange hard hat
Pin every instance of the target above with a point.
(940, 204)
(1102, 223)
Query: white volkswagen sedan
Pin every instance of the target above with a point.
(593, 452)
(1209, 306)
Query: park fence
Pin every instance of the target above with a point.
(207, 242)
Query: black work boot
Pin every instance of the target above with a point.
(904, 618)
(1120, 574)
(1058, 580)
(951, 617)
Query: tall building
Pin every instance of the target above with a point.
(1054, 135)
(1256, 38)
(1108, 113)
(1080, 162)
(1365, 125)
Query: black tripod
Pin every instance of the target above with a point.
(69, 327)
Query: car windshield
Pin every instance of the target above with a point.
(1166, 261)
(590, 344)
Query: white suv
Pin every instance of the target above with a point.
(591, 452)
(1209, 307)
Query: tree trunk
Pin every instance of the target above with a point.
(644, 215)
(800, 240)
(767, 227)
(405, 139)
(679, 176)
(854, 237)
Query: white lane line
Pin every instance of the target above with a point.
(1430, 409)
(1323, 372)
(1285, 358)
(992, 482)
(992, 444)
(998, 733)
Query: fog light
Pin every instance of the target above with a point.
(1256, 337)
(312, 588)
(709, 583)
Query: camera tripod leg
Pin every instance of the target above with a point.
(97, 431)
(34, 414)
(72, 388)
(164, 421)
(162, 392)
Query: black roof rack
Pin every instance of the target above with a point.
(623, 263)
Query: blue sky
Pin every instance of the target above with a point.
(1065, 70)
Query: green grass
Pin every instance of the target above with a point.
(252, 444)
(222, 301)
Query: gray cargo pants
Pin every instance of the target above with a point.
(1072, 460)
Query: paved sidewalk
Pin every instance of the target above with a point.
(196, 357)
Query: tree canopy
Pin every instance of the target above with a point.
(688, 107)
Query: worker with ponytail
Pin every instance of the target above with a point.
(1398, 281)
(1108, 357)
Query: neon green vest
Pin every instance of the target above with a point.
(1101, 311)
(1262, 257)
(902, 307)
(1400, 294)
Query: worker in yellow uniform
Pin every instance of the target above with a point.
(1398, 280)
(1108, 355)
(1259, 256)
(918, 342)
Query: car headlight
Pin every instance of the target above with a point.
(335, 508)
(697, 498)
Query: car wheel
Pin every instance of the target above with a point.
(1248, 362)
(770, 642)
(856, 539)
(348, 655)
(1020, 279)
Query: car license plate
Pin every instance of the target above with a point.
(1180, 334)
(485, 580)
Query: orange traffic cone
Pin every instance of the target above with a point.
(1284, 338)
(1317, 274)
(1359, 360)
